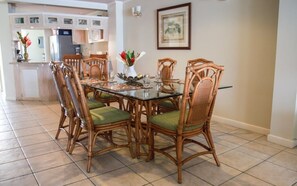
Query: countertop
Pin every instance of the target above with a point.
(29, 63)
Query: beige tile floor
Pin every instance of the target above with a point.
(29, 155)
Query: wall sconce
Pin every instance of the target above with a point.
(136, 11)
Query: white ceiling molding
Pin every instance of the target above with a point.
(66, 3)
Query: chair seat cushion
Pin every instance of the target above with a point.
(167, 104)
(107, 115)
(169, 121)
(105, 95)
(90, 95)
(92, 104)
(102, 95)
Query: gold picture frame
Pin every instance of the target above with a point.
(174, 27)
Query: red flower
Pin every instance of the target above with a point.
(24, 40)
(28, 42)
(129, 58)
(123, 55)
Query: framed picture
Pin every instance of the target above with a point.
(174, 27)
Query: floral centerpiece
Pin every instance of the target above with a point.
(26, 42)
(129, 58)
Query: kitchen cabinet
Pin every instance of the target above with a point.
(79, 37)
(95, 23)
(35, 20)
(88, 36)
(95, 35)
(99, 23)
(62, 21)
(19, 20)
(67, 22)
(52, 20)
(33, 81)
(82, 22)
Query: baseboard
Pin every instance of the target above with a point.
(240, 124)
(282, 141)
(10, 98)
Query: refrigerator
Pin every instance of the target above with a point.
(61, 45)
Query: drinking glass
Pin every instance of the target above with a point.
(158, 76)
(146, 81)
(111, 76)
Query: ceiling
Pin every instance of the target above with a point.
(100, 1)
(87, 4)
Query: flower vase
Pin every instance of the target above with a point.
(26, 55)
(130, 71)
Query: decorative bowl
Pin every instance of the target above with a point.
(130, 80)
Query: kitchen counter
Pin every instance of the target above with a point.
(29, 63)
(33, 81)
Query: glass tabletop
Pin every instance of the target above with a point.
(156, 90)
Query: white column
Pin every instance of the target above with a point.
(7, 75)
(283, 128)
(116, 32)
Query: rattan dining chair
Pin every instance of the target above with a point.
(165, 71)
(93, 68)
(98, 70)
(198, 61)
(98, 122)
(103, 56)
(166, 68)
(173, 104)
(73, 60)
(103, 65)
(192, 119)
(65, 103)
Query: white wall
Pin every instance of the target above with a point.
(6, 53)
(284, 111)
(115, 33)
(94, 48)
(35, 52)
(241, 35)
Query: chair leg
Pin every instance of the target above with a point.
(77, 132)
(151, 154)
(70, 133)
(128, 132)
(61, 122)
(210, 142)
(179, 149)
(121, 103)
(90, 149)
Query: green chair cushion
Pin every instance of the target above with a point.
(102, 95)
(90, 95)
(167, 104)
(106, 115)
(92, 104)
(169, 121)
(105, 95)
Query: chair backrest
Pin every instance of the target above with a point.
(73, 60)
(199, 98)
(100, 62)
(60, 85)
(95, 72)
(166, 67)
(77, 96)
(103, 56)
(198, 61)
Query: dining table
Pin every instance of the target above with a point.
(139, 101)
